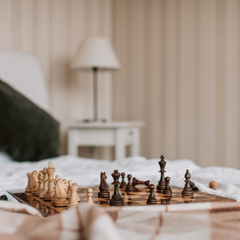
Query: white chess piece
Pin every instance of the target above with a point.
(61, 193)
(89, 195)
(50, 192)
(34, 182)
(73, 201)
(28, 189)
(55, 195)
(45, 183)
(40, 183)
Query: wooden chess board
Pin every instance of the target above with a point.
(137, 198)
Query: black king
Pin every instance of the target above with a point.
(161, 184)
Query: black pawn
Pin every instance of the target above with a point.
(116, 199)
(151, 198)
(167, 190)
(187, 190)
(123, 183)
(129, 187)
(161, 184)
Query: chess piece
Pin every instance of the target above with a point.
(61, 193)
(73, 201)
(161, 184)
(70, 182)
(116, 199)
(34, 182)
(151, 198)
(167, 191)
(213, 185)
(28, 188)
(45, 183)
(40, 183)
(187, 190)
(54, 199)
(68, 189)
(103, 187)
(89, 195)
(50, 192)
(123, 183)
(78, 198)
(129, 187)
(138, 182)
(194, 187)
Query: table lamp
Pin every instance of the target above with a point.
(96, 54)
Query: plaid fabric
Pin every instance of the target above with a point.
(86, 221)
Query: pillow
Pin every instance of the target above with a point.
(27, 133)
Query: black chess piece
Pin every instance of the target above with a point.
(161, 184)
(103, 187)
(139, 182)
(129, 187)
(194, 187)
(123, 183)
(151, 198)
(116, 199)
(167, 191)
(187, 190)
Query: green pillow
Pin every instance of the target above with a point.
(27, 133)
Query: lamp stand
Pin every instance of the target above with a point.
(95, 118)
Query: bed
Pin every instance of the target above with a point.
(87, 221)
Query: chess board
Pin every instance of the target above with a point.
(137, 198)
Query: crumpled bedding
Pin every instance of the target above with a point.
(86, 221)
(208, 221)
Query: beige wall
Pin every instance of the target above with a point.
(52, 30)
(180, 68)
(181, 75)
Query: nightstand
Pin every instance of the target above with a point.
(117, 134)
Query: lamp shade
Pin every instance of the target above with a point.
(95, 52)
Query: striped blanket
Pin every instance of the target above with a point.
(87, 221)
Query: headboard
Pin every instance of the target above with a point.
(23, 72)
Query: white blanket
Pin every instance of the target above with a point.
(86, 172)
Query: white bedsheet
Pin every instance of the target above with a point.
(86, 172)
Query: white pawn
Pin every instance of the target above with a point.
(40, 183)
(73, 201)
(89, 195)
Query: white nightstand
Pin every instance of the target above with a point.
(118, 134)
